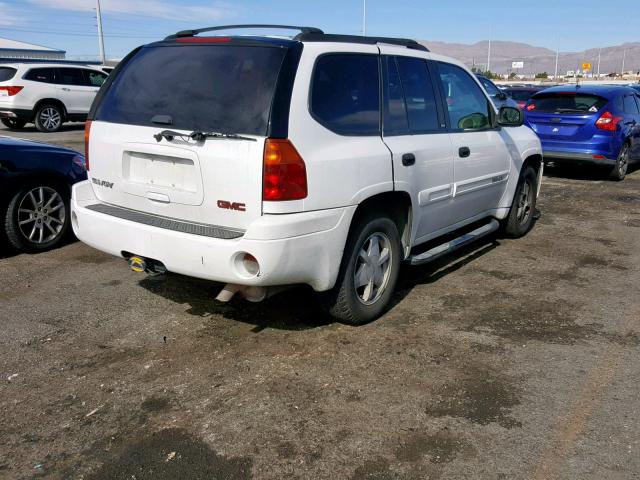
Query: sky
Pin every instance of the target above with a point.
(573, 25)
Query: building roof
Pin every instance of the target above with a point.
(7, 44)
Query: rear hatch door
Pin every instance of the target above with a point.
(142, 151)
(564, 116)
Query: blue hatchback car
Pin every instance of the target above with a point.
(598, 125)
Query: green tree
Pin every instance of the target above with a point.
(542, 75)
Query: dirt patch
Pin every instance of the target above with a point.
(441, 447)
(156, 404)
(377, 469)
(482, 397)
(168, 455)
(94, 259)
(635, 223)
(540, 320)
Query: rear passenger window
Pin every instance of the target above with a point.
(345, 94)
(7, 73)
(418, 92)
(630, 106)
(466, 102)
(45, 75)
(71, 76)
(395, 112)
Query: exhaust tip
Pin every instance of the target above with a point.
(137, 264)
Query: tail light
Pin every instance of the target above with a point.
(87, 132)
(284, 171)
(11, 91)
(521, 105)
(608, 121)
(531, 107)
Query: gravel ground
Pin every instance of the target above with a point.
(514, 359)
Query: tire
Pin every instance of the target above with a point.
(13, 123)
(521, 215)
(49, 118)
(622, 164)
(356, 302)
(37, 218)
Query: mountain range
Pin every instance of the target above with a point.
(539, 59)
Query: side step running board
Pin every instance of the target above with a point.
(455, 244)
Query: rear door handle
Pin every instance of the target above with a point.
(464, 152)
(408, 159)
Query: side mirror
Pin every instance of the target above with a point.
(510, 117)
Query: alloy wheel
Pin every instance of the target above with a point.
(50, 118)
(41, 215)
(623, 161)
(524, 203)
(373, 268)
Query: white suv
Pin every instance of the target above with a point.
(47, 94)
(325, 160)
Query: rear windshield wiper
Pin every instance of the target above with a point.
(197, 136)
(202, 136)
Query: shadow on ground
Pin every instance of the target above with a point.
(583, 172)
(298, 308)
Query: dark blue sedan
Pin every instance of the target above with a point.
(598, 125)
(35, 188)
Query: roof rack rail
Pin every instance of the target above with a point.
(326, 37)
(191, 33)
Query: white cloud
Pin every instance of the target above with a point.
(8, 16)
(149, 8)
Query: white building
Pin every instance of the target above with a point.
(15, 50)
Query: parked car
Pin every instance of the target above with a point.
(35, 188)
(521, 95)
(636, 87)
(598, 125)
(47, 94)
(498, 97)
(293, 169)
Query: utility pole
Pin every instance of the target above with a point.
(364, 18)
(489, 52)
(103, 58)
(555, 75)
(599, 55)
(624, 58)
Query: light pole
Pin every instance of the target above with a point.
(364, 18)
(599, 54)
(555, 75)
(624, 58)
(100, 35)
(489, 52)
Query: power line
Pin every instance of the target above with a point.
(78, 34)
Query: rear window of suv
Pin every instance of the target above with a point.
(221, 88)
(7, 73)
(567, 102)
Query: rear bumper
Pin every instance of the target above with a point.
(578, 158)
(17, 113)
(301, 248)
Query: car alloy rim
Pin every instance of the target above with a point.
(50, 118)
(524, 203)
(623, 161)
(41, 215)
(373, 268)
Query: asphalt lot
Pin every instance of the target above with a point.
(510, 360)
